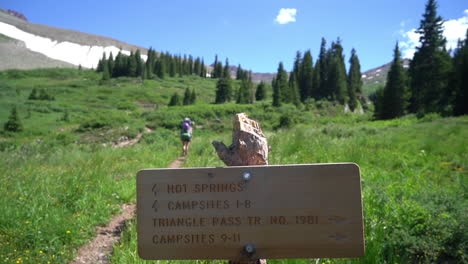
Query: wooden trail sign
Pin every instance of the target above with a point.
(250, 212)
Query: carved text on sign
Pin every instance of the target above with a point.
(293, 211)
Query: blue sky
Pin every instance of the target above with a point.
(247, 32)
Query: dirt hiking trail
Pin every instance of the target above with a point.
(97, 251)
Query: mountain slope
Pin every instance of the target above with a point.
(65, 45)
(376, 77)
(379, 74)
(15, 55)
(62, 35)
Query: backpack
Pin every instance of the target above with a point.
(185, 127)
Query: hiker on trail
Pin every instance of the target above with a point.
(186, 134)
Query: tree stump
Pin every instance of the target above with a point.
(249, 147)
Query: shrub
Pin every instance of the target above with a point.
(104, 119)
(286, 121)
(8, 145)
(42, 94)
(428, 117)
(65, 117)
(13, 124)
(126, 106)
(65, 139)
(160, 135)
(175, 100)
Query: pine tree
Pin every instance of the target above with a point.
(172, 67)
(354, 80)
(168, 64)
(239, 72)
(316, 81)
(149, 64)
(131, 65)
(322, 90)
(460, 76)
(183, 65)
(245, 92)
(242, 74)
(175, 100)
(202, 69)
(430, 67)
(281, 83)
(105, 72)
(193, 97)
(238, 95)
(190, 65)
(101, 62)
(226, 71)
(260, 93)
(217, 71)
(220, 92)
(276, 93)
(44, 95)
(110, 64)
(223, 91)
(337, 74)
(143, 74)
(139, 64)
(294, 90)
(306, 74)
(197, 67)
(159, 68)
(226, 75)
(186, 100)
(33, 95)
(377, 99)
(119, 65)
(297, 65)
(395, 93)
(213, 72)
(14, 123)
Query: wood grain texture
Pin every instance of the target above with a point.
(290, 211)
(249, 145)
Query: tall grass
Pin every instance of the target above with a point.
(413, 177)
(59, 180)
(53, 196)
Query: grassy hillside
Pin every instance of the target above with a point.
(369, 89)
(413, 177)
(61, 177)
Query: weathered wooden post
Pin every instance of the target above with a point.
(249, 147)
(247, 214)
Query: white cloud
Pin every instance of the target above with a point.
(286, 15)
(408, 47)
(454, 30)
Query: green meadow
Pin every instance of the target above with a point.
(60, 177)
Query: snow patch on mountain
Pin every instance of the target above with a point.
(76, 54)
